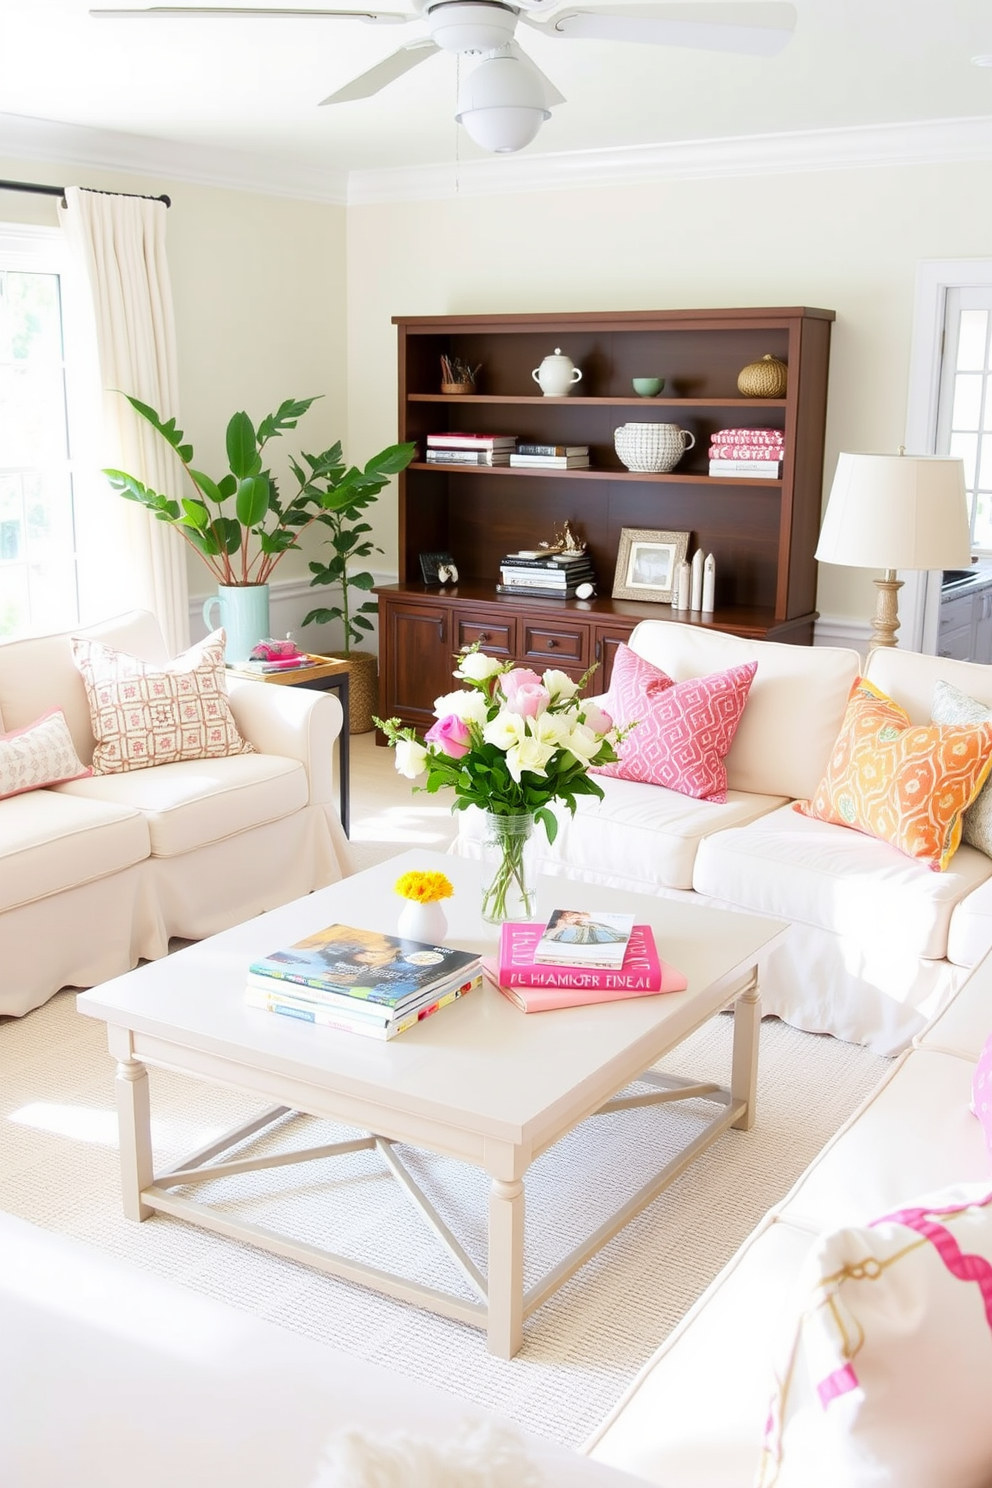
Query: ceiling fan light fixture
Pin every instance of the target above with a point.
(502, 105)
(471, 25)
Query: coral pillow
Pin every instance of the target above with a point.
(143, 715)
(950, 705)
(884, 1375)
(907, 784)
(684, 729)
(42, 753)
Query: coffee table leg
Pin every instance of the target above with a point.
(134, 1125)
(744, 1066)
(506, 1268)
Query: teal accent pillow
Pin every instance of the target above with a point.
(951, 705)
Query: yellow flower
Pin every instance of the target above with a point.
(423, 888)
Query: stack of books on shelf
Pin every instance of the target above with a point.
(470, 449)
(361, 981)
(544, 575)
(754, 452)
(550, 457)
(536, 985)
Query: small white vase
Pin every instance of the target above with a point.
(422, 922)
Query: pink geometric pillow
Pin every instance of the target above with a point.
(981, 1091)
(684, 728)
(42, 753)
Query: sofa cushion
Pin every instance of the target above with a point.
(903, 783)
(38, 673)
(951, 705)
(195, 802)
(797, 868)
(683, 729)
(794, 708)
(917, 1127)
(884, 1374)
(49, 842)
(962, 1027)
(144, 715)
(639, 837)
(696, 1413)
(37, 755)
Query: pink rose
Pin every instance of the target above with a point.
(451, 735)
(597, 718)
(525, 693)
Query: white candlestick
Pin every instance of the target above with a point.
(696, 597)
(682, 586)
(709, 584)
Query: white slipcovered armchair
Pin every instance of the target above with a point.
(100, 872)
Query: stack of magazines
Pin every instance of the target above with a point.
(361, 981)
(539, 969)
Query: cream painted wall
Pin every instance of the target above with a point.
(846, 240)
(259, 291)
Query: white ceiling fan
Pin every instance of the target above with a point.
(506, 98)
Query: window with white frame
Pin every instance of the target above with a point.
(39, 583)
(964, 408)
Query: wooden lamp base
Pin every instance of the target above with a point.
(886, 617)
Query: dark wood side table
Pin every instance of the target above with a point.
(326, 675)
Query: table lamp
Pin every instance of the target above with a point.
(892, 512)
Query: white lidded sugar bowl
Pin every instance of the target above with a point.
(653, 448)
(557, 375)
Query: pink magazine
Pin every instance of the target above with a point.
(536, 988)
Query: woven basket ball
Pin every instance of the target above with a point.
(764, 379)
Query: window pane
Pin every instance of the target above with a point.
(965, 447)
(983, 521)
(34, 316)
(972, 336)
(32, 416)
(966, 412)
(52, 587)
(15, 608)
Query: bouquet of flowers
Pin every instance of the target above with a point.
(510, 742)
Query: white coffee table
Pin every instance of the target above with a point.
(441, 1086)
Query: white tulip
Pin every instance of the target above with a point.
(470, 707)
(552, 728)
(529, 754)
(411, 758)
(476, 666)
(560, 685)
(583, 742)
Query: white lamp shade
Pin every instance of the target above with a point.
(896, 511)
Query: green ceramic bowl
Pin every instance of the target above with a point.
(647, 387)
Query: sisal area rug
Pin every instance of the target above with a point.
(58, 1169)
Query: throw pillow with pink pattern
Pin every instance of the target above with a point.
(884, 1375)
(684, 729)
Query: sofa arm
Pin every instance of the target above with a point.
(295, 722)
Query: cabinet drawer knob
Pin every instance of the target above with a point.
(483, 637)
(552, 643)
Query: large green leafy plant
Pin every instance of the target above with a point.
(241, 525)
(349, 541)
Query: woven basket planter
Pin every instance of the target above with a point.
(363, 689)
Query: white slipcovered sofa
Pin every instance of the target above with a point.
(695, 1416)
(100, 872)
(879, 943)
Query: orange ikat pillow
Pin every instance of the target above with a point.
(904, 783)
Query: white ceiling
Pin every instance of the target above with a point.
(253, 85)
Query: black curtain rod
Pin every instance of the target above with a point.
(39, 190)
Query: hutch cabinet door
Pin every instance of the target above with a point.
(417, 660)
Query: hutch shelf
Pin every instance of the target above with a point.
(761, 532)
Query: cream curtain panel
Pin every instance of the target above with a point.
(118, 248)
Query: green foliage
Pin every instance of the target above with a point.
(244, 547)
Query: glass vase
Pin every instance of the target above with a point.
(509, 889)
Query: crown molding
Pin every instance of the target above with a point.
(136, 154)
(924, 142)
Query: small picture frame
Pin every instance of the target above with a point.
(438, 568)
(647, 564)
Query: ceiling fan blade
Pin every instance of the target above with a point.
(170, 11)
(384, 72)
(762, 28)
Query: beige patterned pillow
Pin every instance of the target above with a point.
(951, 705)
(143, 714)
(42, 753)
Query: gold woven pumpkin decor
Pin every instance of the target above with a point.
(764, 379)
